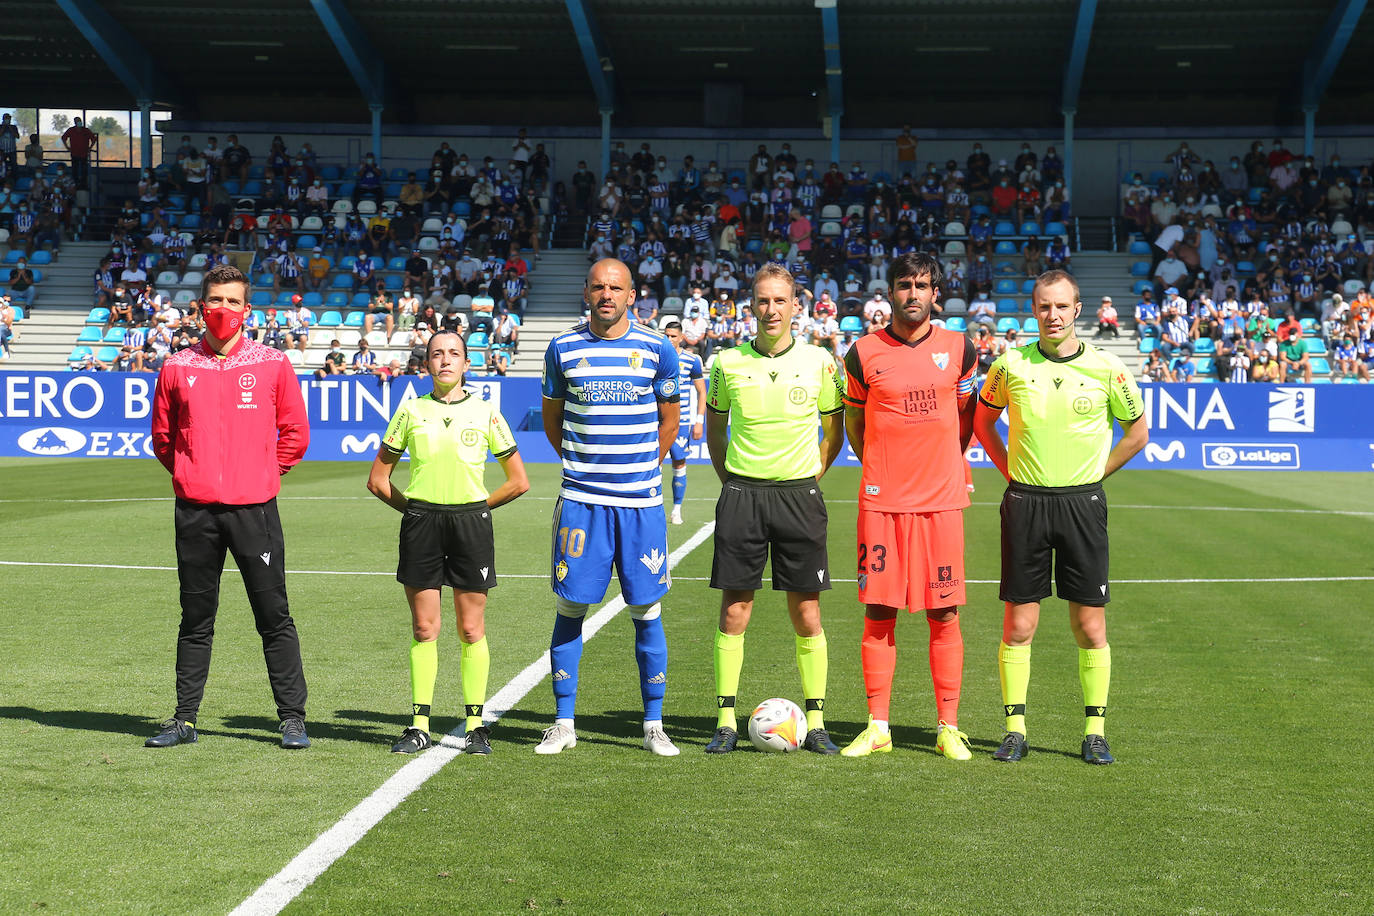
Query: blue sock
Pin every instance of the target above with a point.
(651, 651)
(565, 653)
(679, 485)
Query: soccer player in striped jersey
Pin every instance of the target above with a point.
(1063, 396)
(611, 411)
(909, 412)
(691, 386)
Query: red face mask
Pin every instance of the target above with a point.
(223, 323)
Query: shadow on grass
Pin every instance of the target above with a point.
(248, 728)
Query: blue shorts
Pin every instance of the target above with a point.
(588, 540)
(678, 450)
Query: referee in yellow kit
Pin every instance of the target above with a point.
(446, 533)
(1063, 395)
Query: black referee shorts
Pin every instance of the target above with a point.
(786, 516)
(1069, 523)
(447, 545)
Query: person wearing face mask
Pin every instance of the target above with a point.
(228, 421)
(1182, 158)
(1004, 194)
(368, 181)
(1340, 198)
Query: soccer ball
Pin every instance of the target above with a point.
(777, 725)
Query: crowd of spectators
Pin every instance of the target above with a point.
(1258, 269)
(410, 257)
(696, 235)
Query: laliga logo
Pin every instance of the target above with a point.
(246, 383)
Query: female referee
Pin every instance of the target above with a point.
(446, 534)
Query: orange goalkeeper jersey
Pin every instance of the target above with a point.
(910, 395)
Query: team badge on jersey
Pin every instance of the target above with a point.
(941, 360)
(561, 570)
(471, 437)
(636, 359)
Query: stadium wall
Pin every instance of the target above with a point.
(1207, 426)
(1101, 157)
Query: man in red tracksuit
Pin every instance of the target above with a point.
(228, 421)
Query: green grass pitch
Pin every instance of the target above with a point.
(1239, 716)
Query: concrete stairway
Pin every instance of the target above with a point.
(45, 338)
(1107, 273)
(555, 304)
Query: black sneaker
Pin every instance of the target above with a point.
(293, 736)
(723, 741)
(818, 740)
(479, 741)
(412, 741)
(1095, 750)
(1012, 748)
(172, 734)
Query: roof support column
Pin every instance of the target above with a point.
(1322, 61)
(1073, 81)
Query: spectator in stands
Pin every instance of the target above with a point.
(505, 333)
(1265, 368)
(1153, 368)
(367, 181)
(1056, 204)
(133, 277)
(982, 310)
(1170, 272)
(1182, 367)
(1347, 361)
(289, 271)
(513, 292)
(1175, 333)
(334, 361)
(1107, 319)
(80, 143)
(317, 269)
(299, 319)
(1293, 357)
(381, 307)
(6, 326)
(363, 272)
(695, 326)
(121, 307)
(364, 361)
(1033, 257)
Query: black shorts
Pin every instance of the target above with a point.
(447, 545)
(786, 516)
(1071, 522)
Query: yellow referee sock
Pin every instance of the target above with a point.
(1013, 665)
(813, 661)
(424, 669)
(729, 662)
(475, 663)
(1095, 674)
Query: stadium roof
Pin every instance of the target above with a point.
(746, 63)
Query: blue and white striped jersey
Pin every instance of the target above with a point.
(611, 390)
(689, 370)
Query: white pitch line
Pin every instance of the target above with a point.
(708, 527)
(283, 887)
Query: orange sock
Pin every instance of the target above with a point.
(879, 655)
(946, 667)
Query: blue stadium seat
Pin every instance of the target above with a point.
(40, 258)
(462, 208)
(99, 315)
(177, 201)
(330, 319)
(1204, 367)
(1056, 228)
(1147, 345)
(284, 298)
(378, 263)
(330, 173)
(1030, 227)
(754, 245)
(1004, 227)
(396, 263)
(1004, 267)
(347, 262)
(252, 189)
(980, 210)
(478, 359)
(956, 323)
(354, 319)
(107, 354)
(78, 353)
(1140, 286)
(337, 300)
(1028, 326)
(1027, 286)
(1255, 194)
(345, 189)
(307, 242)
(263, 279)
(392, 189)
(394, 282)
(851, 323)
(1309, 325)
(90, 335)
(1028, 305)
(13, 255)
(23, 184)
(256, 171)
(1315, 346)
(1007, 307)
(113, 335)
(1007, 324)
(1204, 345)
(1005, 288)
(18, 313)
(233, 186)
(1158, 176)
(399, 174)
(341, 281)
(260, 315)
(1005, 247)
(190, 221)
(360, 300)
(313, 299)
(260, 299)
(1139, 246)
(477, 340)
(1140, 269)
